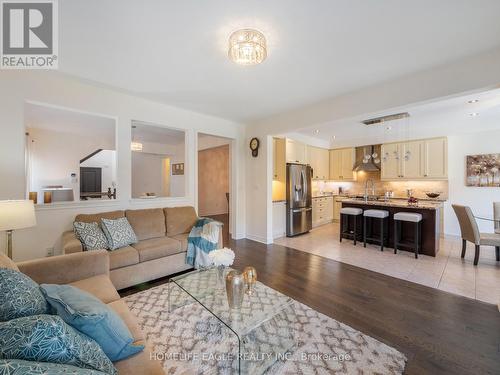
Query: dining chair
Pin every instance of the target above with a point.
(470, 232)
(496, 216)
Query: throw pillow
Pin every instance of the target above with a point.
(90, 235)
(91, 316)
(18, 366)
(46, 338)
(118, 232)
(19, 296)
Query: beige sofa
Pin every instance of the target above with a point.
(162, 246)
(89, 271)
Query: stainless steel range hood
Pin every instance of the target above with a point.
(363, 163)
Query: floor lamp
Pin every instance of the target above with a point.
(16, 215)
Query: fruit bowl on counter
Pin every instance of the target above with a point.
(433, 194)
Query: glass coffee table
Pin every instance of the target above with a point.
(262, 325)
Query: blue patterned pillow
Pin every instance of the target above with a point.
(19, 296)
(118, 232)
(46, 338)
(92, 317)
(18, 367)
(90, 235)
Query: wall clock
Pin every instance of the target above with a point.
(254, 146)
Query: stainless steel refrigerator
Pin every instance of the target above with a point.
(298, 199)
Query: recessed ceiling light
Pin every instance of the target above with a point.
(388, 127)
(247, 47)
(334, 137)
(316, 131)
(473, 101)
(473, 114)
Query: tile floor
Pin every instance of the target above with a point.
(447, 271)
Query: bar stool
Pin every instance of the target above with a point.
(345, 213)
(409, 217)
(383, 217)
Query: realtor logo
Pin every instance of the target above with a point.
(29, 34)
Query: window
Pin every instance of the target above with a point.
(70, 156)
(158, 161)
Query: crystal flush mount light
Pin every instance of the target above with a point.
(247, 47)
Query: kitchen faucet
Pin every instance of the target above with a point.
(369, 180)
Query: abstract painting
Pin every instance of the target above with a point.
(483, 170)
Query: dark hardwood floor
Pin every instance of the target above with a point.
(439, 332)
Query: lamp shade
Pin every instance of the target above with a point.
(17, 214)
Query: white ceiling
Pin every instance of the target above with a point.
(68, 121)
(176, 51)
(442, 118)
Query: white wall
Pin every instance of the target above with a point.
(17, 87)
(55, 155)
(480, 199)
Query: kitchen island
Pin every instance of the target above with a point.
(430, 211)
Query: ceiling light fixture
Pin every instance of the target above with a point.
(473, 114)
(473, 101)
(316, 131)
(247, 47)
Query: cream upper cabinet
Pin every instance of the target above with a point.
(390, 164)
(415, 160)
(341, 164)
(295, 152)
(318, 159)
(436, 158)
(412, 165)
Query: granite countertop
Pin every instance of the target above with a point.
(426, 205)
(280, 201)
(324, 196)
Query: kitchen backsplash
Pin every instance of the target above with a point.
(398, 187)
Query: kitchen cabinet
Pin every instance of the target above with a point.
(279, 219)
(295, 152)
(319, 160)
(337, 206)
(341, 164)
(322, 211)
(415, 160)
(436, 158)
(279, 169)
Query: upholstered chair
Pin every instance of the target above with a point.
(470, 232)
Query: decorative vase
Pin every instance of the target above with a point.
(235, 289)
(250, 277)
(220, 274)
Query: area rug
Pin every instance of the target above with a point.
(190, 340)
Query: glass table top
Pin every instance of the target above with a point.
(206, 287)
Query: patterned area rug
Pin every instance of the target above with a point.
(191, 340)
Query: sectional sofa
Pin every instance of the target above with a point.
(89, 271)
(162, 246)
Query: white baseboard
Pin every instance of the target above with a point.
(258, 239)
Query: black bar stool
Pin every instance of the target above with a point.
(409, 217)
(383, 217)
(345, 232)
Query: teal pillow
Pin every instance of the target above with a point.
(90, 235)
(46, 338)
(21, 367)
(119, 232)
(19, 296)
(92, 317)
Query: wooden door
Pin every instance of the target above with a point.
(90, 180)
(335, 164)
(324, 164)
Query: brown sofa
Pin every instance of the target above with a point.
(89, 271)
(162, 246)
